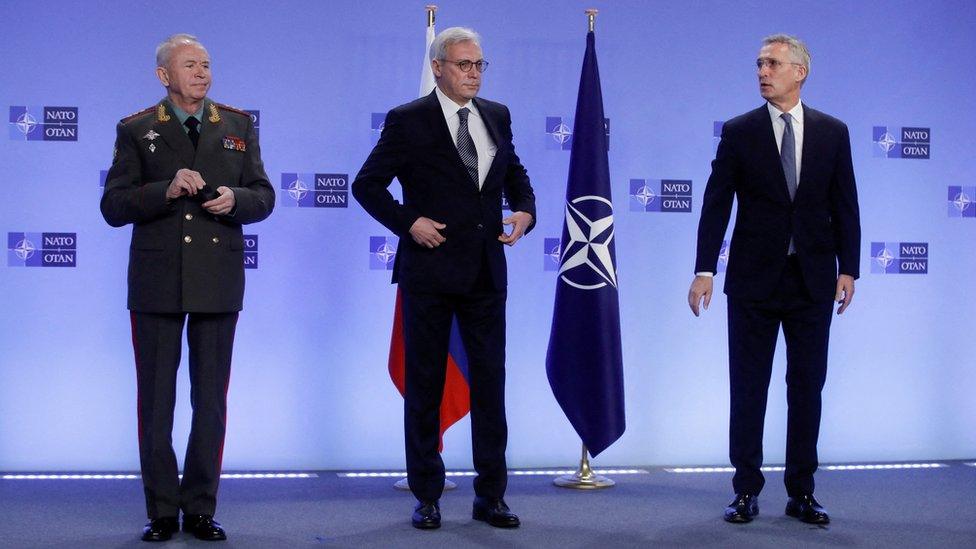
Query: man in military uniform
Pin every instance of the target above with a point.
(187, 173)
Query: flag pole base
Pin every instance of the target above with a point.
(402, 484)
(584, 478)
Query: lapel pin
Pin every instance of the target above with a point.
(152, 147)
(151, 135)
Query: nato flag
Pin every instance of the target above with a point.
(584, 362)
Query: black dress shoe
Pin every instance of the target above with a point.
(743, 509)
(160, 529)
(203, 527)
(427, 516)
(494, 512)
(807, 509)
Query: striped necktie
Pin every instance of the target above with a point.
(465, 146)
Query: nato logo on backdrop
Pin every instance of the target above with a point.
(377, 121)
(907, 142)
(315, 190)
(250, 251)
(961, 201)
(42, 249)
(43, 123)
(723, 257)
(660, 195)
(559, 133)
(899, 257)
(717, 134)
(382, 252)
(551, 250)
(256, 120)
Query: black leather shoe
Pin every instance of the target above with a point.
(160, 529)
(743, 509)
(494, 512)
(807, 509)
(203, 527)
(427, 516)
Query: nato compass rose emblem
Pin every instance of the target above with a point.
(24, 250)
(884, 258)
(26, 123)
(587, 258)
(887, 142)
(561, 133)
(298, 190)
(645, 195)
(385, 253)
(962, 202)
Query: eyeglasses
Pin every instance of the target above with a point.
(465, 66)
(773, 64)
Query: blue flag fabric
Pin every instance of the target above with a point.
(584, 362)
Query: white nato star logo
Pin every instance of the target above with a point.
(561, 133)
(645, 195)
(24, 249)
(884, 257)
(380, 127)
(723, 255)
(887, 142)
(962, 201)
(26, 123)
(298, 190)
(589, 245)
(555, 253)
(385, 252)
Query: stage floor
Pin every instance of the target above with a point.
(933, 507)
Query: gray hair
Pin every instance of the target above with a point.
(449, 37)
(165, 48)
(798, 50)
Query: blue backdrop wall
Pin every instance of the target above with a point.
(310, 388)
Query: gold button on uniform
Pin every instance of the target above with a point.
(188, 217)
(187, 239)
(216, 240)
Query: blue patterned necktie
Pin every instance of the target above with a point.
(465, 146)
(787, 154)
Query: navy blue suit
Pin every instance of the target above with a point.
(465, 276)
(766, 288)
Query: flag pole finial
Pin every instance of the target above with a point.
(591, 17)
(431, 8)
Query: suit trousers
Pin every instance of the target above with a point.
(427, 319)
(753, 331)
(157, 342)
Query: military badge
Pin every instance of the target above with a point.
(214, 114)
(151, 135)
(234, 143)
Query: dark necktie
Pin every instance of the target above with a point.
(787, 154)
(465, 145)
(192, 124)
(787, 157)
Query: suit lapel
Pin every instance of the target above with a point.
(811, 142)
(211, 133)
(168, 127)
(770, 153)
(492, 125)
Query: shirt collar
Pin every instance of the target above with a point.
(796, 112)
(182, 115)
(451, 108)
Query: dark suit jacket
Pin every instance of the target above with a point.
(416, 148)
(183, 258)
(823, 217)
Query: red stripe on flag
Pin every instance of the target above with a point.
(456, 401)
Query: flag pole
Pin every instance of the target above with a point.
(403, 484)
(584, 478)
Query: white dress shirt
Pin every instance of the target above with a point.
(476, 127)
